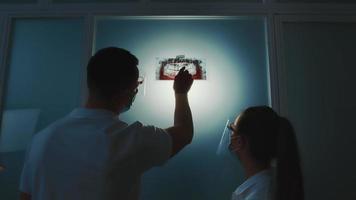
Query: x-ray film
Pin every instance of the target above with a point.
(168, 68)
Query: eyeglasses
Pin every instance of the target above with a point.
(232, 127)
(140, 80)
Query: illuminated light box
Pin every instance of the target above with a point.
(234, 60)
(168, 68)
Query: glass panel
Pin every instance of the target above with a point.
(118, 1)
(17, 1)
(320, 84)
(234, 52)
(92, 1)
(318, 1)
(236, 1)
(2, 29)
(43, 84)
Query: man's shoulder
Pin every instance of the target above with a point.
(136, 126)
(140, 128)
(136, 130)
(50, 129)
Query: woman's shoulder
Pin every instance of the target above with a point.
(258, 187)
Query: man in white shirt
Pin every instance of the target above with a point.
(91, 154)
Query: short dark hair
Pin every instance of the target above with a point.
(110, 71)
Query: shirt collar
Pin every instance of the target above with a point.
(253, 180)
(92, 113)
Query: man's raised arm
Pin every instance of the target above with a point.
(182, 131)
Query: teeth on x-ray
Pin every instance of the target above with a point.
(168, 68)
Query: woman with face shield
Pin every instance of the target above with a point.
(266, 146)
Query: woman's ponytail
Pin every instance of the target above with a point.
(289, 180)
(271, 139)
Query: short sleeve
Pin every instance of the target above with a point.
(155, 146)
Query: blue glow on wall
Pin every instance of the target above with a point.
(236, 65)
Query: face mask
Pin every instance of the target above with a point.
(233, 150)
(231, 146)
(128, 106)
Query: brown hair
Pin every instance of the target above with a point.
(272, 137)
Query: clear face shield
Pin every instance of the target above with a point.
(228, 140)
(223, 147)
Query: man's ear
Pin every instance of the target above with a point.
(122, 97)
(119, 101)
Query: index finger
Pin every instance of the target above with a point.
(181, 70)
